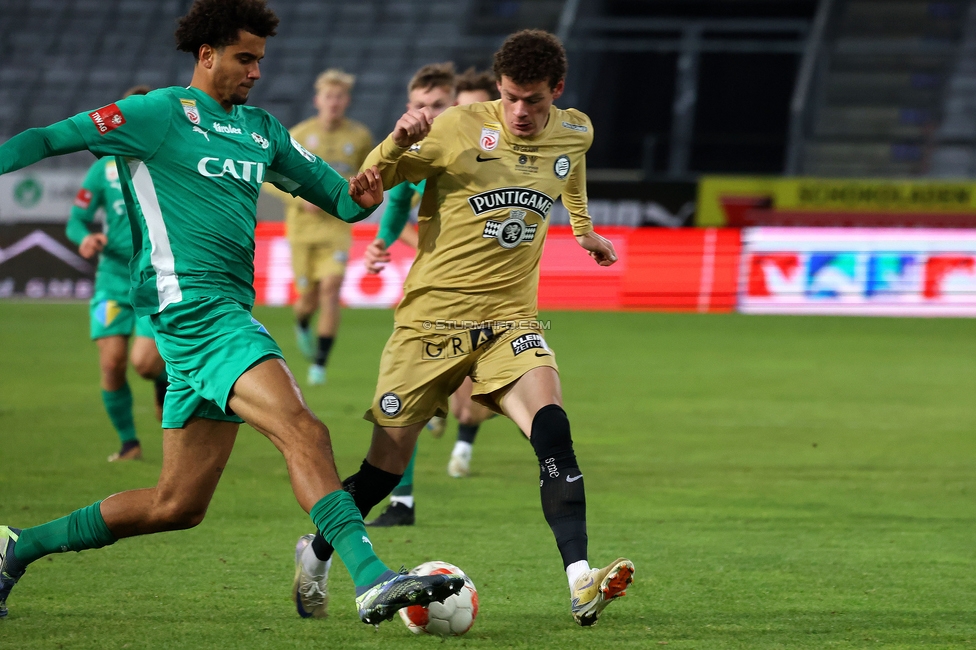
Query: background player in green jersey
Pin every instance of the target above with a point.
(112, 316)
(470, 87)
(192, 161)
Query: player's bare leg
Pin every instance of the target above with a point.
(147, 363)
(469, 415)
(117, 396)
(534, 403)
(328, 325)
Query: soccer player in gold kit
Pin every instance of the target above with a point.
(320, 243)
(493, 172)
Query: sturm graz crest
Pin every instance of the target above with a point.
(511, 232)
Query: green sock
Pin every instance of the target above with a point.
(338, 519)
(405, 487)
(81, 530)
(118, 403)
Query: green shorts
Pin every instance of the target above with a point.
(207, 344)
(114, 316)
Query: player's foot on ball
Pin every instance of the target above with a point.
(316, 375)
(310, 592)
(306, 341)
(383, 600)
(396, 514)
(460, 464)
(594, 590)
(436, 425)
(129, 451)
(8, 575)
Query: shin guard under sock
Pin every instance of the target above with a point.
(561, 482)
(368, 486)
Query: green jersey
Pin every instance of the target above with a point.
(191, 173)
(102, 189)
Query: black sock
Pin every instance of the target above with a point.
(368, 486)
(563, 496)
(467, 432)
(303, 322)
(325, 346)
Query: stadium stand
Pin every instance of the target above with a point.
(887, 73)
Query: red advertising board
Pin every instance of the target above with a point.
(684, 269)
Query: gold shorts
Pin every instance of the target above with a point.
(420, 370)
(314, 262)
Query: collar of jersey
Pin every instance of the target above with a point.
(213, 105)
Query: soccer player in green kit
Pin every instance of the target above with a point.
(112, 316)
(192, 161)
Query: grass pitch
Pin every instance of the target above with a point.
(779, 483)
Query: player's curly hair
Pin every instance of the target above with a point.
(217, 23)
(433, 75)
(471, 80)
(531, 56)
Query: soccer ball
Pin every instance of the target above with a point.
(453, 617)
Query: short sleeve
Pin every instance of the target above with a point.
(133, 127)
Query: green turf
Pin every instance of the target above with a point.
(779, 483)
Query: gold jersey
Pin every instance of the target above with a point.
(344, 150)
(485, 210)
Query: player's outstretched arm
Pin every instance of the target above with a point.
(37, 144)
(574, 198)
(89, 198)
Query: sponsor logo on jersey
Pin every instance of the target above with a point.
(479, 158)
(414, 147)
(511, 232)
(390, 404)
(491, 133)
(521, 148)
(111, 172)
(107, 118)
(561, 167)
(511, 197)
(191, 111)
(261, 140)
(308, 155)
(202, 132)
(224, 128)
(83, 199)
(529, 342)
(244, 170)
(526, 164)
(582, 128)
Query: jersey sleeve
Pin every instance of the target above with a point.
(133, 127)
(574, 198)
(89, 198)
(33, 145)
(415, 163)
(397, 212)
(299, 172)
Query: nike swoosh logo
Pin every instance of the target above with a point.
(543, 354)
(573, 479)
(480, 159)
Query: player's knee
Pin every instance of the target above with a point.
(113, 367)
(144, 364)
(467, 417)
(551, 438)
(176, 515)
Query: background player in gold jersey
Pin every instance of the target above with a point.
(493, 172)
(470, 87)
(320, 243)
